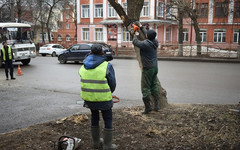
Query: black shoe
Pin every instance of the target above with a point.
(6, 78)
(13, 78)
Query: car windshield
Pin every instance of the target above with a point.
(16, 35)
(46, 46)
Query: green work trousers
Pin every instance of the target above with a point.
(149, 83)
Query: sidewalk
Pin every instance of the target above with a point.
(191, 59)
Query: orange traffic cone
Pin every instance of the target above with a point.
(19, 72)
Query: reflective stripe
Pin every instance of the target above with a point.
(93, 81)
(95, 90)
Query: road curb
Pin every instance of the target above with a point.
(189, 59)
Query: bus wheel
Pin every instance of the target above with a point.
(25, 61)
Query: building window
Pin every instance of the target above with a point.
(169, 12)
(203, 35)
(125, 7)
(60, 17)
(221, 9)
(98, 34)
(202, 10)
(160, 9)
(59, 26)
(98, 10)
(168, 34)
(67, 16)
(67, 26)
(85, 11)
(111, 11)
(85, 34)
(220, 35)
(68, 38)
(185, 35)
(59, 38)
(237, 10)
(126, 35)
(145, 10)
(45, 35)
(52, 37)
(236, 35)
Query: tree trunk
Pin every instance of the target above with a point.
(134, 8)
(12, 10)
(198, 37)
(180, 33)
(19, 9)
(47, 24)
(238, 43)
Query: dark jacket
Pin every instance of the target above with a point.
(91, 62)
(148, 52)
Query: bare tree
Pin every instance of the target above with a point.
(192, 13)
(50, 5)
(185, 8)
(44, 15)
(4, 11)
(134, 8)
(19, 10)
(71, 5)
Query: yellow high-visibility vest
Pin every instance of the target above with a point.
(9, 53)
(94, 84)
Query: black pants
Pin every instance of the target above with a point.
(107, 117)
(9, 64)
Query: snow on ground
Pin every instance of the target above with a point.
(209, 52)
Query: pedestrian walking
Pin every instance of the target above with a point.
(97, 85)
(149, 83)
(7, 57)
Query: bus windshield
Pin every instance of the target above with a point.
(16, 35)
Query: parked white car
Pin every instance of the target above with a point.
(51, 49)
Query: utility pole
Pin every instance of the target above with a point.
(12, 10)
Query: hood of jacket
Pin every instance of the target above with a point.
(92, 61)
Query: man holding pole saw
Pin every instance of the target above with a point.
(148, 52)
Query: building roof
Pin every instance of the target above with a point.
(142, 21)
(13, 25)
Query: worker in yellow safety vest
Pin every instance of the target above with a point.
(7, 57)
(97, 85)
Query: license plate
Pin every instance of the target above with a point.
(22, 53)
(109, 53)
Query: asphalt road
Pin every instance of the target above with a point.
(48, 90)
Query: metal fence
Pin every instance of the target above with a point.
(207, 50)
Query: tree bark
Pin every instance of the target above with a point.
(180, 33)
(198, 37)
(192, 13)
(19, 10)
(12, 10)
(134, 8)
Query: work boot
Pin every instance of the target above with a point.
(147, 103)
(97, 141)
(156, 103)
(108, 136)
